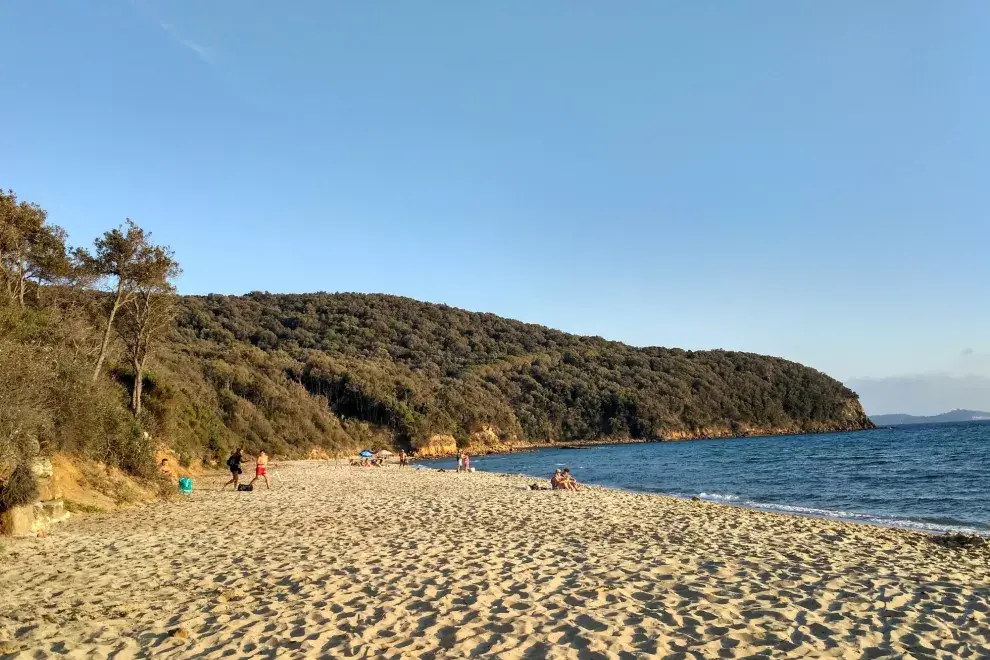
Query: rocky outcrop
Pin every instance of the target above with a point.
(49, 513)
(727, 432)
(488, 440)
(437, 446)
(44, 471)
(17, 521)
(37, 516)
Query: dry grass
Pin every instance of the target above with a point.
(78, 507)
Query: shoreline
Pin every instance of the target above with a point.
(404, 563)
(685, 437)
(851, 517)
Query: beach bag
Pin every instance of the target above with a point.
(244, 487)
(185, 485)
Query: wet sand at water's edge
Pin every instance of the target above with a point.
(350, 562)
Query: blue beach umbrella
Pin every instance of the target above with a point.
(366, 453)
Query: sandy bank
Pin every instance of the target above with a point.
(418, 564)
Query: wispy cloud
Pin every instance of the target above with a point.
(218, 64)
(203, 53)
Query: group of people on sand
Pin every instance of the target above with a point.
(562, 480)
(234, 465)
(379, 461)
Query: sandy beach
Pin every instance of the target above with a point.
(349, 562)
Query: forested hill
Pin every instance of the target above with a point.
(335, 369)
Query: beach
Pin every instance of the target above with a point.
(417, 563)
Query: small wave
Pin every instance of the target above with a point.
(873, 519)
(720, 497)
(931, 525)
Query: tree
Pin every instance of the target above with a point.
(119, 263)
(148, 312)
(29, 247)
(48, 259)
(8, 214)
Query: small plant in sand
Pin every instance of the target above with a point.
(79, 507)
(19, 489)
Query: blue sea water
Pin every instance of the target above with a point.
(932, 477)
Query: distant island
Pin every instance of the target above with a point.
(944, 418)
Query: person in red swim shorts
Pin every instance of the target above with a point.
(261, 469)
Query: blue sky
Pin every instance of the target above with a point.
(800, 179)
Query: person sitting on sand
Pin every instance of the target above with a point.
(570, 483)
(557, 481)
(164, 470)
(261, 469)
(234, 465)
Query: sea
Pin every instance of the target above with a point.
(927, 477)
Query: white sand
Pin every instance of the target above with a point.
(419, 564)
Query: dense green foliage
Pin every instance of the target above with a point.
(339, 372)
(417, 369)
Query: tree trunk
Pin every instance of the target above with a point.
(3, 274)
(20, 281)
(8, 280)
(109, 331)
(138, 386)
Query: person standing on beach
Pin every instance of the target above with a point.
(467, 462)
(402, 458)
(261, 469)
(234, 465)
(460, 462)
